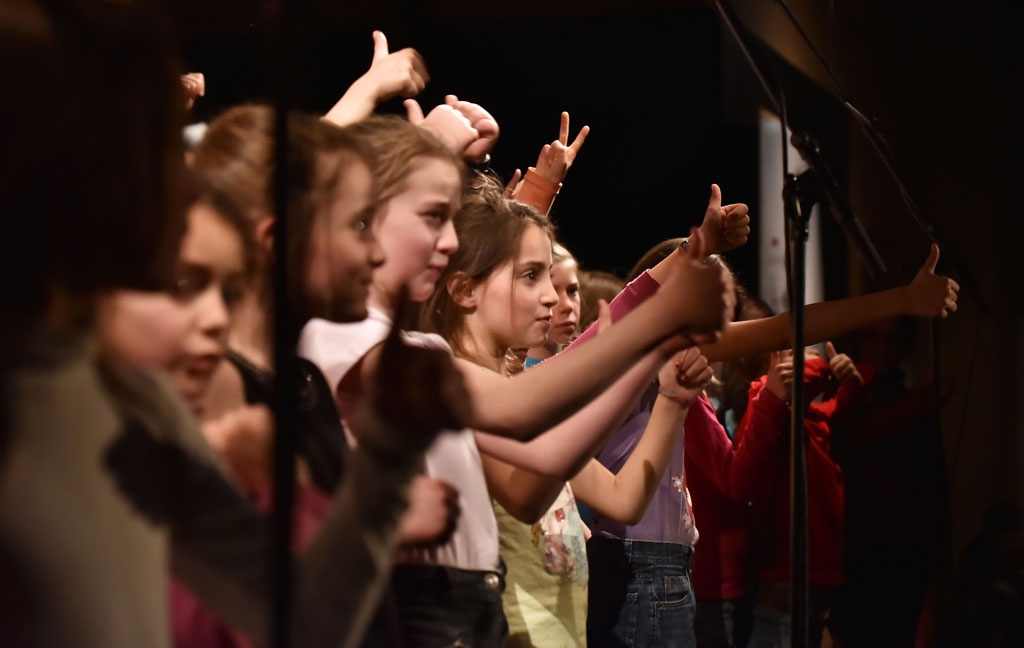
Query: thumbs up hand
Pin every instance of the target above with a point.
(929, 294)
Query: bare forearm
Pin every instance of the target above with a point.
(625, 496)
(822, 321)
(560, 386)
(562, 451)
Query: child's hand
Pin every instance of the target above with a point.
(684, 377)
(556, 158)
(780, 375)
(391, 74)
(432, 514)
(194, 84)
(842, 366)
(724, 227)
(448, 124)
(484, 123)
(929, 294)
(244, 438)
(701, 295)
(514, 183)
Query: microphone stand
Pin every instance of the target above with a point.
(800, 194)
(939, 555)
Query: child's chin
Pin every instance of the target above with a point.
(421, 290)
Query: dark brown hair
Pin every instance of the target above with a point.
(91, 156)
(595, 285)
(490, 228)
(235, 164)
(653, 257)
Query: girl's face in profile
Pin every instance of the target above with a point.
(416, 231)
(343, 250)
(566, 313)
(515, 301)
(184, 330)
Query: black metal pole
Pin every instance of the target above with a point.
(798, 205)
(281, 63)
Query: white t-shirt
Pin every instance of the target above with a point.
(453, 457)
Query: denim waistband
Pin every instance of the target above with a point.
(441, 579)
(639, 552)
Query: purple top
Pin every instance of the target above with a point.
(669, 518)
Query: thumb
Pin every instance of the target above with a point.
(604, 316)
(715, 202)
(933, 259)
(380, 45)
(413, 111)
(830, 350)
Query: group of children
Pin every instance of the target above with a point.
(450, 410)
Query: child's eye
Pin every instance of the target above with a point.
(181, 286)
(363, 228)
(184, 286)
(189, 282)
(231, 295)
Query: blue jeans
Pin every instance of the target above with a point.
(443, 607)
(640, 594)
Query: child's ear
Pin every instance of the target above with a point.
(264, 235)
(463, 289)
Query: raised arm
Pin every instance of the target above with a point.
(624, 496)
(391, 74)
(542, 182)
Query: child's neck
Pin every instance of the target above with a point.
(543, 351)
(487, 356)
(380, 300)
(250, 335)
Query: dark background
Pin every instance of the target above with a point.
(672, 105)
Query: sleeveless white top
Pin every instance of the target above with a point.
(335, 349)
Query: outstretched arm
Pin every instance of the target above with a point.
(928, 295)
(693, 304)
(563, 450)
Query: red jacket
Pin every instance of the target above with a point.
(770, 510)
(720, 477)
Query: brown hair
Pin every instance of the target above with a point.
(595, 285)
(653, 257)
(490, 228)
(91, 158)
(395, 148)
(235, 164)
